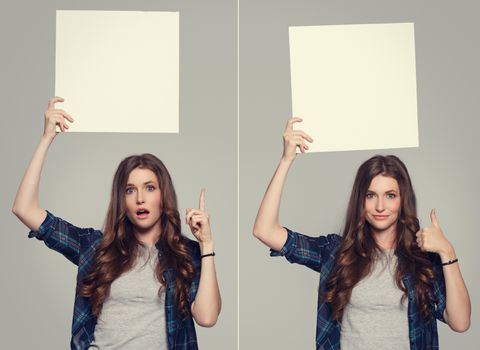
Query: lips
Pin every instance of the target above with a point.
(142, 213)
(380, 217)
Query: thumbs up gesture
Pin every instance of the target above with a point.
(199, 221)
(431, 238)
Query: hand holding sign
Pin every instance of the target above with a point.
(293, 139)
(54, 117)
(199, 221)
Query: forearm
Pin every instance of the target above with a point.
(26, 206)
(207, 304)
(458, 308)
(267, 226)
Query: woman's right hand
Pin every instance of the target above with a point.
(54, 117)
(293, 139)
(26, 206)
(267, 228)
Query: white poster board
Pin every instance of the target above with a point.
(118, 71)
(355, 85)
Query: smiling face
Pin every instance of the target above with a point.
(383, 204)
(143, 200)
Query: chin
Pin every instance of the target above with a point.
(144, 225)
(382, 227)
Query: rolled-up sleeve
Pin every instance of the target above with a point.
(308, 251)
(61, 236)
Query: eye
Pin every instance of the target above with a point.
(129, 190)
(151, 188)
(391, 195)
(369, 195)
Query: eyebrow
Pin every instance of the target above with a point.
(145, 183)
(389, 191)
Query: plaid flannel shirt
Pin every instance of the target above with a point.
(318, 253)
(78, 245)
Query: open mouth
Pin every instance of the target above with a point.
(142, 213)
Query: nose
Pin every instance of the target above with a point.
(379, 205)
(140, 199)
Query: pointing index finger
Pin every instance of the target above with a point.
(201, 201)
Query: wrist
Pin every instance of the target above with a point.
(447, 253)
(46, 139)
(288, 160)
(206, 247)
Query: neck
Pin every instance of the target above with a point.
(386, 238)
(151, 240)
(148, 236)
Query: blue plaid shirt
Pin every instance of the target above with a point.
(318, 253)
(78, 245)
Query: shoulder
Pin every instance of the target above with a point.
(72, 241)
(333, 239)
(307, 245)
(330, 244)
(57, 226)
(311, 251)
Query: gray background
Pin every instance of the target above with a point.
(278, 300)
(38, 284)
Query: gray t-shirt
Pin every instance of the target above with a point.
(375, 318)
(133, 316)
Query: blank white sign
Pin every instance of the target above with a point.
(118, 71)
(355, 85)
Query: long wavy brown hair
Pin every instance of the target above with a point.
(117, 251)
(358, 250)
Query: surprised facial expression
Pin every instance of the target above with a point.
(143, 200)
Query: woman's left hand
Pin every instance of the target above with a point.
(199, 221)
(432, 239)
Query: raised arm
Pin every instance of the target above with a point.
(208, 303)
(26, 206)
(267, 228)
(458, 307)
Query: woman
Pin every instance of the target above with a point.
(385, 281)
(140, 283)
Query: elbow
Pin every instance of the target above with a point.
(460, 327)
(16, 211)
(20, 213)
(258, 231)
(207, 322)
(206, 317)
(460, 323)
